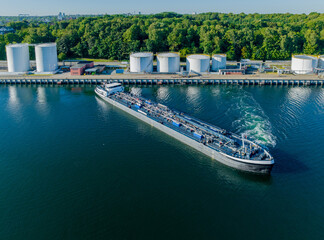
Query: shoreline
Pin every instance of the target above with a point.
(157, 76)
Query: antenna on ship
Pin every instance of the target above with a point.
(243, 142)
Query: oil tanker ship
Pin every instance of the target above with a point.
(233, 150)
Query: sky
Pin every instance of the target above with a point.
(53, 7)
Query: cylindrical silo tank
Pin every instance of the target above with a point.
(198, 63)
(218, 62)
(321, 62)
(168, 62)
(141, 62)
(303, 64)
(18, 57)
(46, 57)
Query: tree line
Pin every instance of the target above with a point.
(252, 36)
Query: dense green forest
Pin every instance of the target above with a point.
(253, 36)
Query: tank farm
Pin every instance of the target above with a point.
(202, 66)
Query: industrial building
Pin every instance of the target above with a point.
(303, 64)
(198, 63)
(80, 67)
(168, 62)
(95, 70)
(141, 62)
(218, 62)
(18, 58)
(77, 69)
(46, 58)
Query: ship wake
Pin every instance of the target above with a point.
(251, 119)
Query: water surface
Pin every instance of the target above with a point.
(74, 167)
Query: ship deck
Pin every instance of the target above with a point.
(209, 135)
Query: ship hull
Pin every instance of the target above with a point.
(220, 157)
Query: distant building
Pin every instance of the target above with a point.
(23, 16)
(4, 30)
(61, 16)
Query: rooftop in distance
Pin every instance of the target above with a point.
(219, 55)
(168, 54)
(46, 45)
(198, 56)
(17, 45)
(142, 54)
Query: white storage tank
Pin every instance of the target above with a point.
(303, 64)
(198, 63)
(168, 62)
(218, 62)
(46, 57)
(141, 62)
(18, 57)
(321, 62)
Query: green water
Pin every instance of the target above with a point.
(74, 167)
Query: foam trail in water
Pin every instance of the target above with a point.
(252, 120)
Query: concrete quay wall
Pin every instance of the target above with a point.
(166, 81)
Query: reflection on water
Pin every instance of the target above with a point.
(102, 104)
(14, 105)
(296, 98)
(162, 94)
(41, 105)
(298, 94)
(216, 91)
(136, 91)
(320, 101)
(292, 107)
(103, 108)
(193, 96)
(41, 96)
